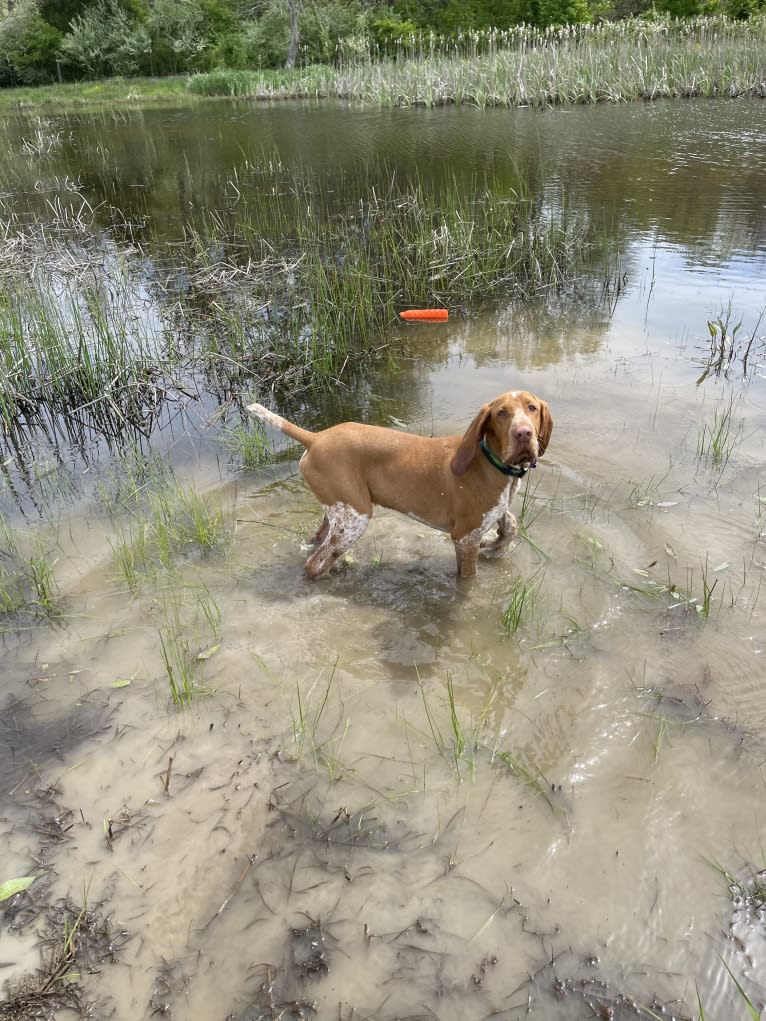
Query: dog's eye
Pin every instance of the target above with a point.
(532, 407)
(502, 413)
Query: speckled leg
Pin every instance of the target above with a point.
(344, 526)
(506, 533)
(321, 533)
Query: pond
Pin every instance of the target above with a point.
(388, 794)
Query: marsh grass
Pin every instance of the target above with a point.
(523, 600)
(126, 479)
(717, 440)
(294, 290)
(459, 742)
(324, 290)
(27, 577)
(74, 360)
(639, 58)
(166, 522)
(247, 445)
(74, 940)
(461, 745)
(188, 638)
(529, 777)
(313, 733)
(752, 1010)
(747, 894)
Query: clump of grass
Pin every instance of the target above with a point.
(717, 440)
(310, 734)
(126, 480)
(27, 578)
(76, 358)
(74, 940)
(247, 445)
(529, 777)
(461, 746)
(191, 623)
(324, 281)
(522, 601)
(747, 894)
(169, 523)
(459, 743)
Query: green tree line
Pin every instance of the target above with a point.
(43, 41)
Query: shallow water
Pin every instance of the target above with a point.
(317, 831)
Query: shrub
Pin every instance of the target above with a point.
(28, 47)
(179, 37)
(105, 41)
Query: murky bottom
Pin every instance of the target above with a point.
(386, 800)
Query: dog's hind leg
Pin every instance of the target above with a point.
(344, 526)
(321, 533)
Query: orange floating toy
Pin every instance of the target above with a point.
(425, 314)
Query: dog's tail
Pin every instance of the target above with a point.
(295, 432)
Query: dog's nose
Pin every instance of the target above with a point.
(523, 433)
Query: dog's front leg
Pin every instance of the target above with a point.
(467, 553)
(506, 533)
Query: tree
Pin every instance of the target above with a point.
(104, 40)
(28, 47)
(292, 49)
(178, 31)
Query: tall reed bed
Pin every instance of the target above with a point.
(71, 358)
(524, 66)
(295, 286)
(311, 285)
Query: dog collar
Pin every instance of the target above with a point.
(516, 471)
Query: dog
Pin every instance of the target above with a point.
(462, 485)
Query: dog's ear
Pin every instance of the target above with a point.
(470, 442)
(546, 428)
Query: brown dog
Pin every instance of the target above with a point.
(440, 480)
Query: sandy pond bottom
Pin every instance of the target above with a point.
(328, 840)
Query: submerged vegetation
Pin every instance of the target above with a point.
(288, 291)
(28, 589)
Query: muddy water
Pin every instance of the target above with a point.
(321, 831)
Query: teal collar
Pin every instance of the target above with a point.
(516, 471)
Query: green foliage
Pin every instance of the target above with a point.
(321, 26)
(167, 37)
(266, 40)
(387, 29)
(178, 30)
(28, 47)
(105, 40)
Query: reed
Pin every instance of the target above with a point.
(27, 578)
(523, 598)
(293, 290)
(718, 439)
(191, 622)
(643, 58)
(329, 281)
(168, 523)
(73, 358)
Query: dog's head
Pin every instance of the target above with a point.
(516, 426)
